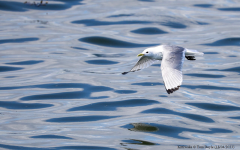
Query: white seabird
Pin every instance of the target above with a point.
(172, 60)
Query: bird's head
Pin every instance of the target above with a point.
(147, 52)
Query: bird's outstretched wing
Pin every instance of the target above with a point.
(171, 67)
(142, 63)
(172, 79)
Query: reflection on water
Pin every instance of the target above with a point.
(62, 88)
(172, 131)
(141, 127)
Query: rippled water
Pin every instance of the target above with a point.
(62, 87)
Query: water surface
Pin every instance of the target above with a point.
(62, 87)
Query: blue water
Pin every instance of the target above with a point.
(62, 87)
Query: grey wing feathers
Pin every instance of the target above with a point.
(172, 79)
(171, 68)
(142, 63)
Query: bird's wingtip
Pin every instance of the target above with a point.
(169, 91)
(124, 73)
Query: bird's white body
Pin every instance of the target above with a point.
(157, 52)
(172, 59)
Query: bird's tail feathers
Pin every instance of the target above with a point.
(191, 52)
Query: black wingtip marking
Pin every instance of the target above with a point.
(169, 91)
(190, 57)
(124, 73)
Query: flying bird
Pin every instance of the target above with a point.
(172, 60)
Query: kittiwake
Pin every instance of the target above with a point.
(172, 60)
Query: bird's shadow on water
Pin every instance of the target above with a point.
(170, 131)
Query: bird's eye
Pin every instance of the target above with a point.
(146, 52)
